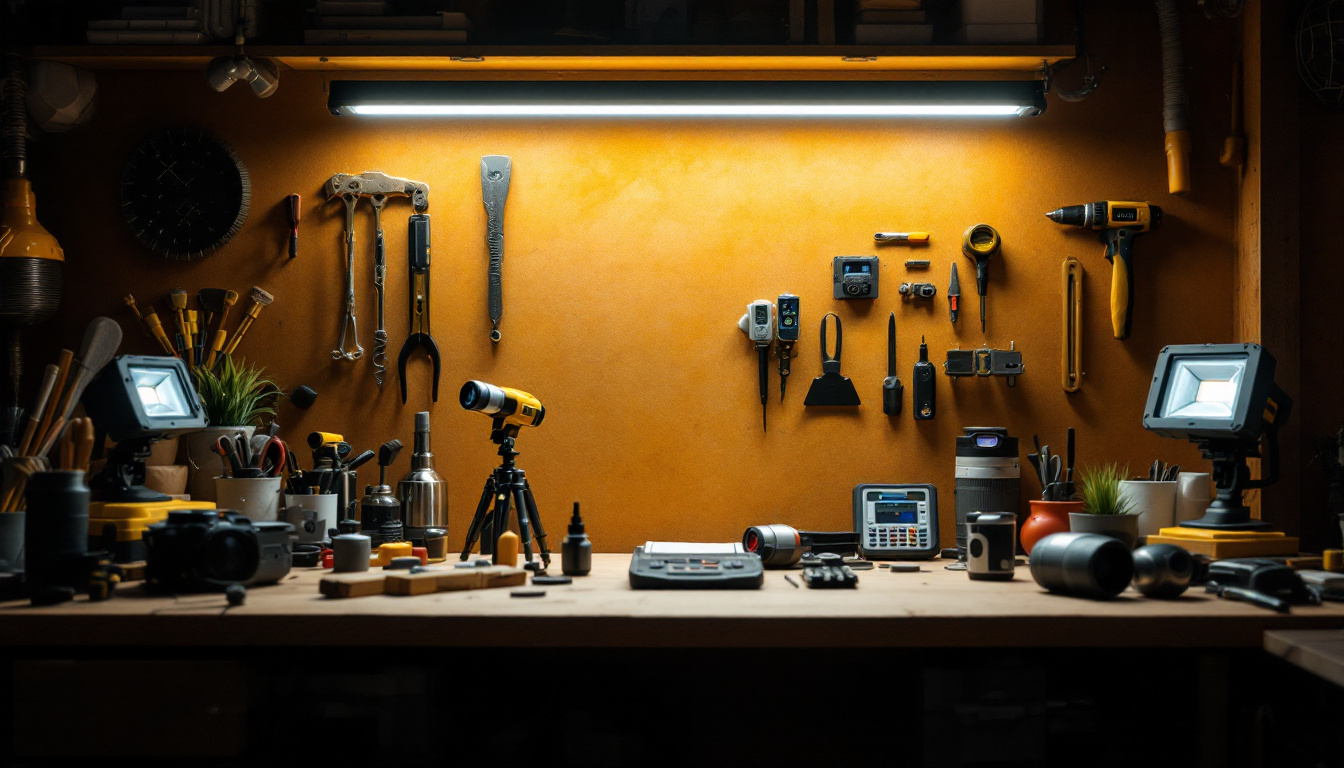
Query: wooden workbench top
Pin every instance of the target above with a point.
(932, 608)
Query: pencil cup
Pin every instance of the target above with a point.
(311, 514)
(256, 498)
(1154, 501)
(1192, 495)
(11, 540)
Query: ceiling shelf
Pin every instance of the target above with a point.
(492, 61)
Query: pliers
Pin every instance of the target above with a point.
(418, 239)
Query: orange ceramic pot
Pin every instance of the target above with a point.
(1047, 517)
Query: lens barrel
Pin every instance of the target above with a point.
(480, 396)
(1082, 564)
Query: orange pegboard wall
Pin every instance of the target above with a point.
(631, 249)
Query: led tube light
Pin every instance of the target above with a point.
(685, 99)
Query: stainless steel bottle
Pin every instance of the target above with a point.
(423, 494)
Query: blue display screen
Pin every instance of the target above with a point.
(900, 512)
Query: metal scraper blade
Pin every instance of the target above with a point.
(831, 388)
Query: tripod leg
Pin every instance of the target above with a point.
(501, 514)
(535, 515)
(524, 522)
(478, 520)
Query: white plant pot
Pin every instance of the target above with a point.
(1154, 501)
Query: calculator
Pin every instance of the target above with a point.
(896, 522)
(695, 565)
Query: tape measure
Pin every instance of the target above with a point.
(981, 241)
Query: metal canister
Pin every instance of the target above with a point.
(988, 476)
(423, 494)
(380, 515)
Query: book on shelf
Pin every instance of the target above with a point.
(383, 36)
(144, 37)
(441, 20)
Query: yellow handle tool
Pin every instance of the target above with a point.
(1120, 221)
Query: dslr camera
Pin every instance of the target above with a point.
(199, 550)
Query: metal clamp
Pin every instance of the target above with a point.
(985, 362)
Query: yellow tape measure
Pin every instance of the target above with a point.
(981, 240)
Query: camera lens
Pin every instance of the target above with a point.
(479, 396)
(229, 555)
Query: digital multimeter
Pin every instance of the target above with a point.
(896, 522)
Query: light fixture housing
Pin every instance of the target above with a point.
(1223, 398)
(261, 74)
(136, 400)
(1212, 391)
(687, 99)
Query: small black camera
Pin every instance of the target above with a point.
(198, 550)
(854, 277)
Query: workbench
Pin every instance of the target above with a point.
(606, 675)
(934, 608)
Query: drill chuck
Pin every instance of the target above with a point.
(1073, 215)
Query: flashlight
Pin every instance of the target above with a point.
(506, 406)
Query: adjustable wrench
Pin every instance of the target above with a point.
(348, 321)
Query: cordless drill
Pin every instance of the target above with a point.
(1120, 221)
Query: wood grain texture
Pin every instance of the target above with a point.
(1268, 255)
(631, 249)
(929, 609)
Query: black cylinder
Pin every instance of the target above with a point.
(1082, 564)
(1162, 570)
(30, 290)
(56, 532)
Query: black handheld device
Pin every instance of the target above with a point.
(925, 384)
(892, 389)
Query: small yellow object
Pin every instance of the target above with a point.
(506, 549)
(1334, 560)
(390, 550)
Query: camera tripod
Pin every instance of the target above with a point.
(507, 482)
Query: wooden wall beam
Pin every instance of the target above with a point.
(1266, 264)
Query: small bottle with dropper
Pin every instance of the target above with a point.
(576, 551)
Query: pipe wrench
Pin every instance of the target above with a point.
(496, 171)
(418, 246)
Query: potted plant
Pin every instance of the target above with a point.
(235, 397)
(1105, 509)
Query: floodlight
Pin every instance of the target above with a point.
(135, 401)
(1223, 398)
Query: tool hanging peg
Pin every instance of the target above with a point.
(496, 170)
(418, 244)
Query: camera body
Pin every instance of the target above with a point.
(197, 550)
(854, 277)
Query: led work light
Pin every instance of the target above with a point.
(685, 99)
(135, 401)
(1223, 398)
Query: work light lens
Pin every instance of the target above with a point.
(1204, 388)
(160, 392)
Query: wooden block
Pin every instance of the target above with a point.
(341, 585)
(454, 579)
(1225, 544)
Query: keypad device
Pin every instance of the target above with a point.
(897, 522)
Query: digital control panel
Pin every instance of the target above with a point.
(896, 522)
